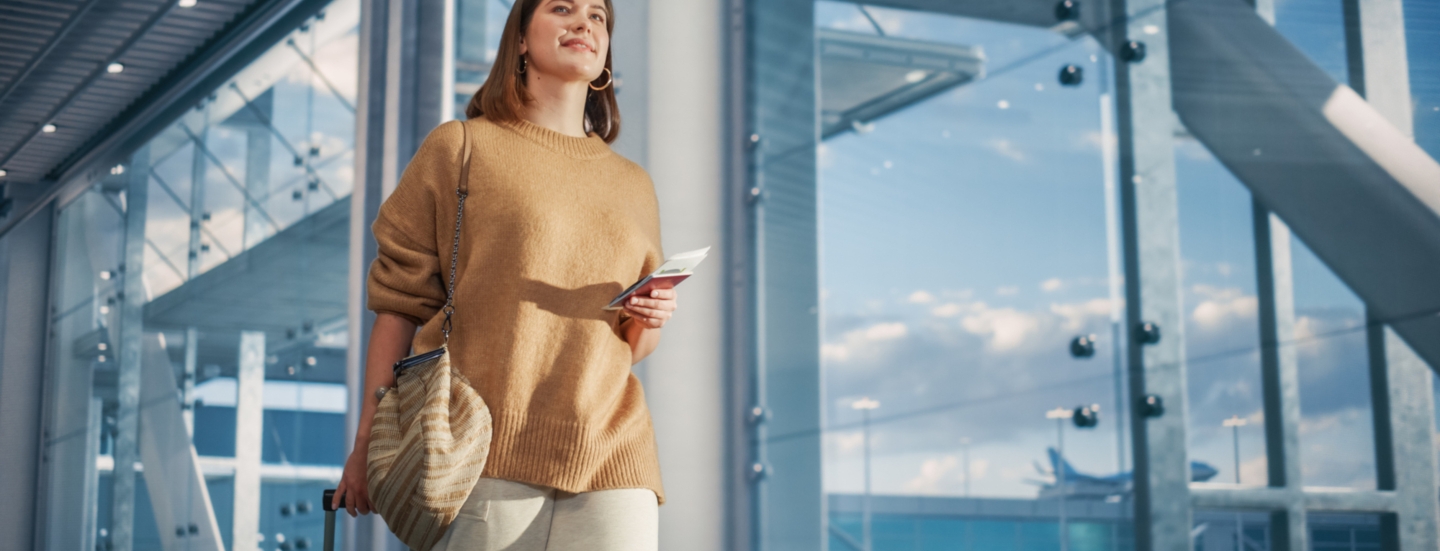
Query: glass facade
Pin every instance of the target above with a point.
(957, 222)
(208, 263)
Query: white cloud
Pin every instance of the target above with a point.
(1006, 148)
(1006, 328)
(1051, 285)
(1093, 140)
(1077, 314)
(1219, 306)
(933, 472)
(862, 340)
(952, 309)
(921, 297)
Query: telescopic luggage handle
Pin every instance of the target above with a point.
(330, 518)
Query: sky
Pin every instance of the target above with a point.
(963, 245)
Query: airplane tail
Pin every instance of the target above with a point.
(1060, 465)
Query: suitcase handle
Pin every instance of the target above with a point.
(330, 518)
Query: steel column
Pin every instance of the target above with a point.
(1152, 275)
(132, 331)
(1401, 397)
(402, 59)
(1280, 375)
(789, 500)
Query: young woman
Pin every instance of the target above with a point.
(554, 227)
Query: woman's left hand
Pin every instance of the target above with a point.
(652, 312)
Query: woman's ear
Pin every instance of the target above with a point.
(523, 48)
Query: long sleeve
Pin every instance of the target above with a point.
(405, 278)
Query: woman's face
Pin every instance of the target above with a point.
(567, 39)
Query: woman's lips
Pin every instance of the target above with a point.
(577, 44)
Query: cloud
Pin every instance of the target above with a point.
(862, 340)
(1077, 315)
(1051, 285)
(1093, 140)
(1221, 306)
(1008, 290)
(920, 297)
(1006, 148)
(1007, 328)
(933, 472)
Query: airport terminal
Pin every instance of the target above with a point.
(1029, 275)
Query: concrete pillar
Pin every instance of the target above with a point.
(686, 377)
(24, 294)
(249, 431)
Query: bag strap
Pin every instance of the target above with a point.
(462, 189)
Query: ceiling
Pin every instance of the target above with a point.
(56, 69)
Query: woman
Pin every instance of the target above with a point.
(555, 226)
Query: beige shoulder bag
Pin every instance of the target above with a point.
(431, 432)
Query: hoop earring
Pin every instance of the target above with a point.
(523, 65)
(609, 79)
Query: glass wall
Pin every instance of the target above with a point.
(951, 363)
(200, 326)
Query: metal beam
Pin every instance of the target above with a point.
(179, 499)
(132, 331)
(39, 57)
(1280, 374)
(1353, 186)
(1220, 496)
(1152, 274)
(262, 26)
(789, 496)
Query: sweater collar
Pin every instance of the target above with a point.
(589, 147)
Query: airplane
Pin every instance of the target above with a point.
(1111, 488)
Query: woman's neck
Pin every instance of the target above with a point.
(556, 104)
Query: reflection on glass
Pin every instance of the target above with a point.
(1337, 431)
(1231, 530)
(1222, 327)
(245, 231)
(1316, 27)
(1344, 532)
(1422, 36)
(928, 310)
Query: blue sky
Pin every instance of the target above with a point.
(963, 244)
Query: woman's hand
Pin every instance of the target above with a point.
(353, 487)
(652, 312)
(647, 316)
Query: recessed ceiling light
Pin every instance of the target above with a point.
(117, 170)
(115, 67)
(916, 76)
(48, 129)
(186, 3)
(3, 173)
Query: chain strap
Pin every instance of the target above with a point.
(461, 191)
(454, 259)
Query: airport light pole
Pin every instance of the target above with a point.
(1060, 414)
(965, 450)
(1235, 422)
(865, 405)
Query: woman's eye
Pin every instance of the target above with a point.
(598, 17)
(561, 9)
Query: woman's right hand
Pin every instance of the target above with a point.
(353, 485)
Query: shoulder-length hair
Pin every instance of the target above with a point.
(503, 96)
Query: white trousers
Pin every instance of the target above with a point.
(514, 516)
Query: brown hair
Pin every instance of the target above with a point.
(503, 96)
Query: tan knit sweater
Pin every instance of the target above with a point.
(555, 226)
